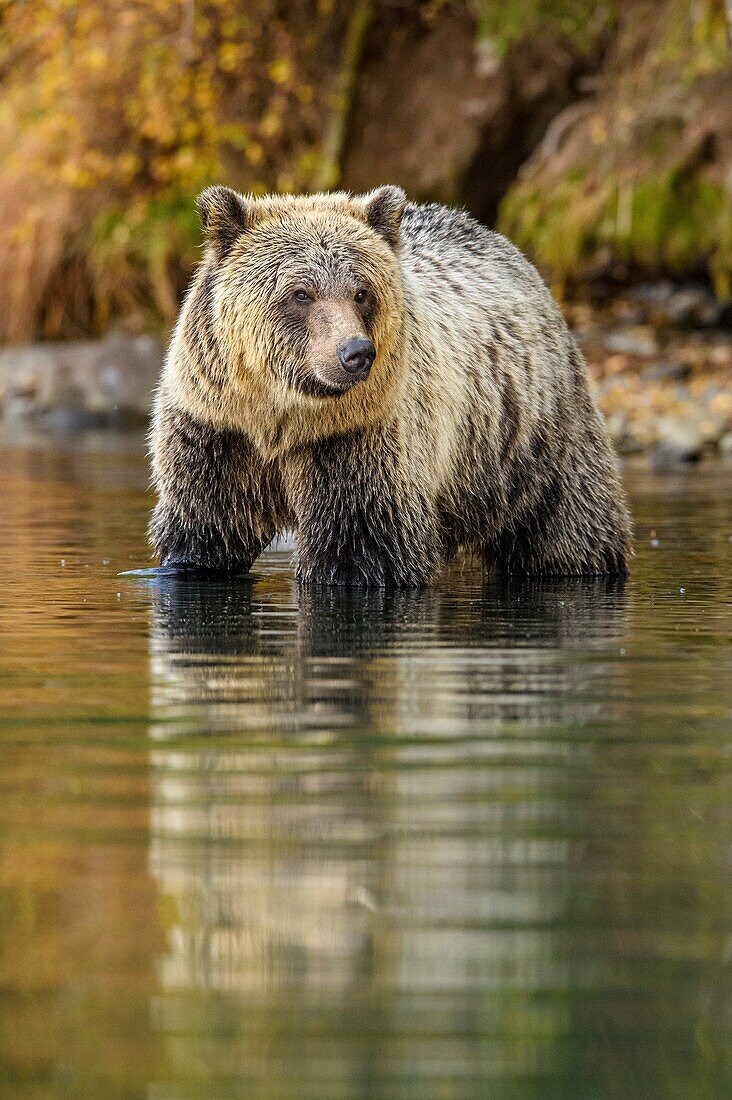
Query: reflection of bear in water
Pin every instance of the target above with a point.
(226, 661)
(394, 382)
(354, 791)
(354, 805)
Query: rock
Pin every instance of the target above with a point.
(616, 426)
(615, 364)
(679, 442)
(633, 341)
(627, 440)
(693, 306)
(666, 370)
(720, 355)
(710, 429)
(684, 306)
(720, 402)
(666, 456)
(628, 312)
(82, 384)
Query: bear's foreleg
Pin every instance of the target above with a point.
(218, 504)
(361, 518)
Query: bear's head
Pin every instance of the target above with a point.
(305, 288)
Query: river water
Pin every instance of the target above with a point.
(464, 843)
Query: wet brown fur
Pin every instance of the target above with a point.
(475, 427)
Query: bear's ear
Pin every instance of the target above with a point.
(383, 209)
(225, 215)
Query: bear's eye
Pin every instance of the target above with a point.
(362, 296)
(302, 296)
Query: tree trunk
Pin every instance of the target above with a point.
(328, 171)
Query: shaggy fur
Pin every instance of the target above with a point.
(475, 427)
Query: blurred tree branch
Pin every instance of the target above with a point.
(327, 174)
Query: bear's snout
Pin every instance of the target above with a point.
(357, 357)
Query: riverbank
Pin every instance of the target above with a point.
(660, 356)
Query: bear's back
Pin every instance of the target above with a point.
(471, 279)
(452, 237)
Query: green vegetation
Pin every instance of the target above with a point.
(508, 22)
(115, 113)
(640, 178)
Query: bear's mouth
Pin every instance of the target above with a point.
(314, 386)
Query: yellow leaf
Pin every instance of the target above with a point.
(280, 71)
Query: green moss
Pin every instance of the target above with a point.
(720, 261)
(676, 222)
(677, 219)
(138, 231)
(557, 227)
(695, 37)
(143, 247)
(640, 192)
(505, 21)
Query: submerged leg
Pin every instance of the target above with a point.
(579, 523)
(218, 504)
(361, 519)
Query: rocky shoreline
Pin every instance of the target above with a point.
(661, 360)
(660, 356)
(80, 384)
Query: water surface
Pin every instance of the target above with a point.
(464, 843)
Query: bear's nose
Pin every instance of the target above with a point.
(356, 356)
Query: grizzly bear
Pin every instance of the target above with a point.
(391, 380)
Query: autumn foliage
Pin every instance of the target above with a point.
(114, 113)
